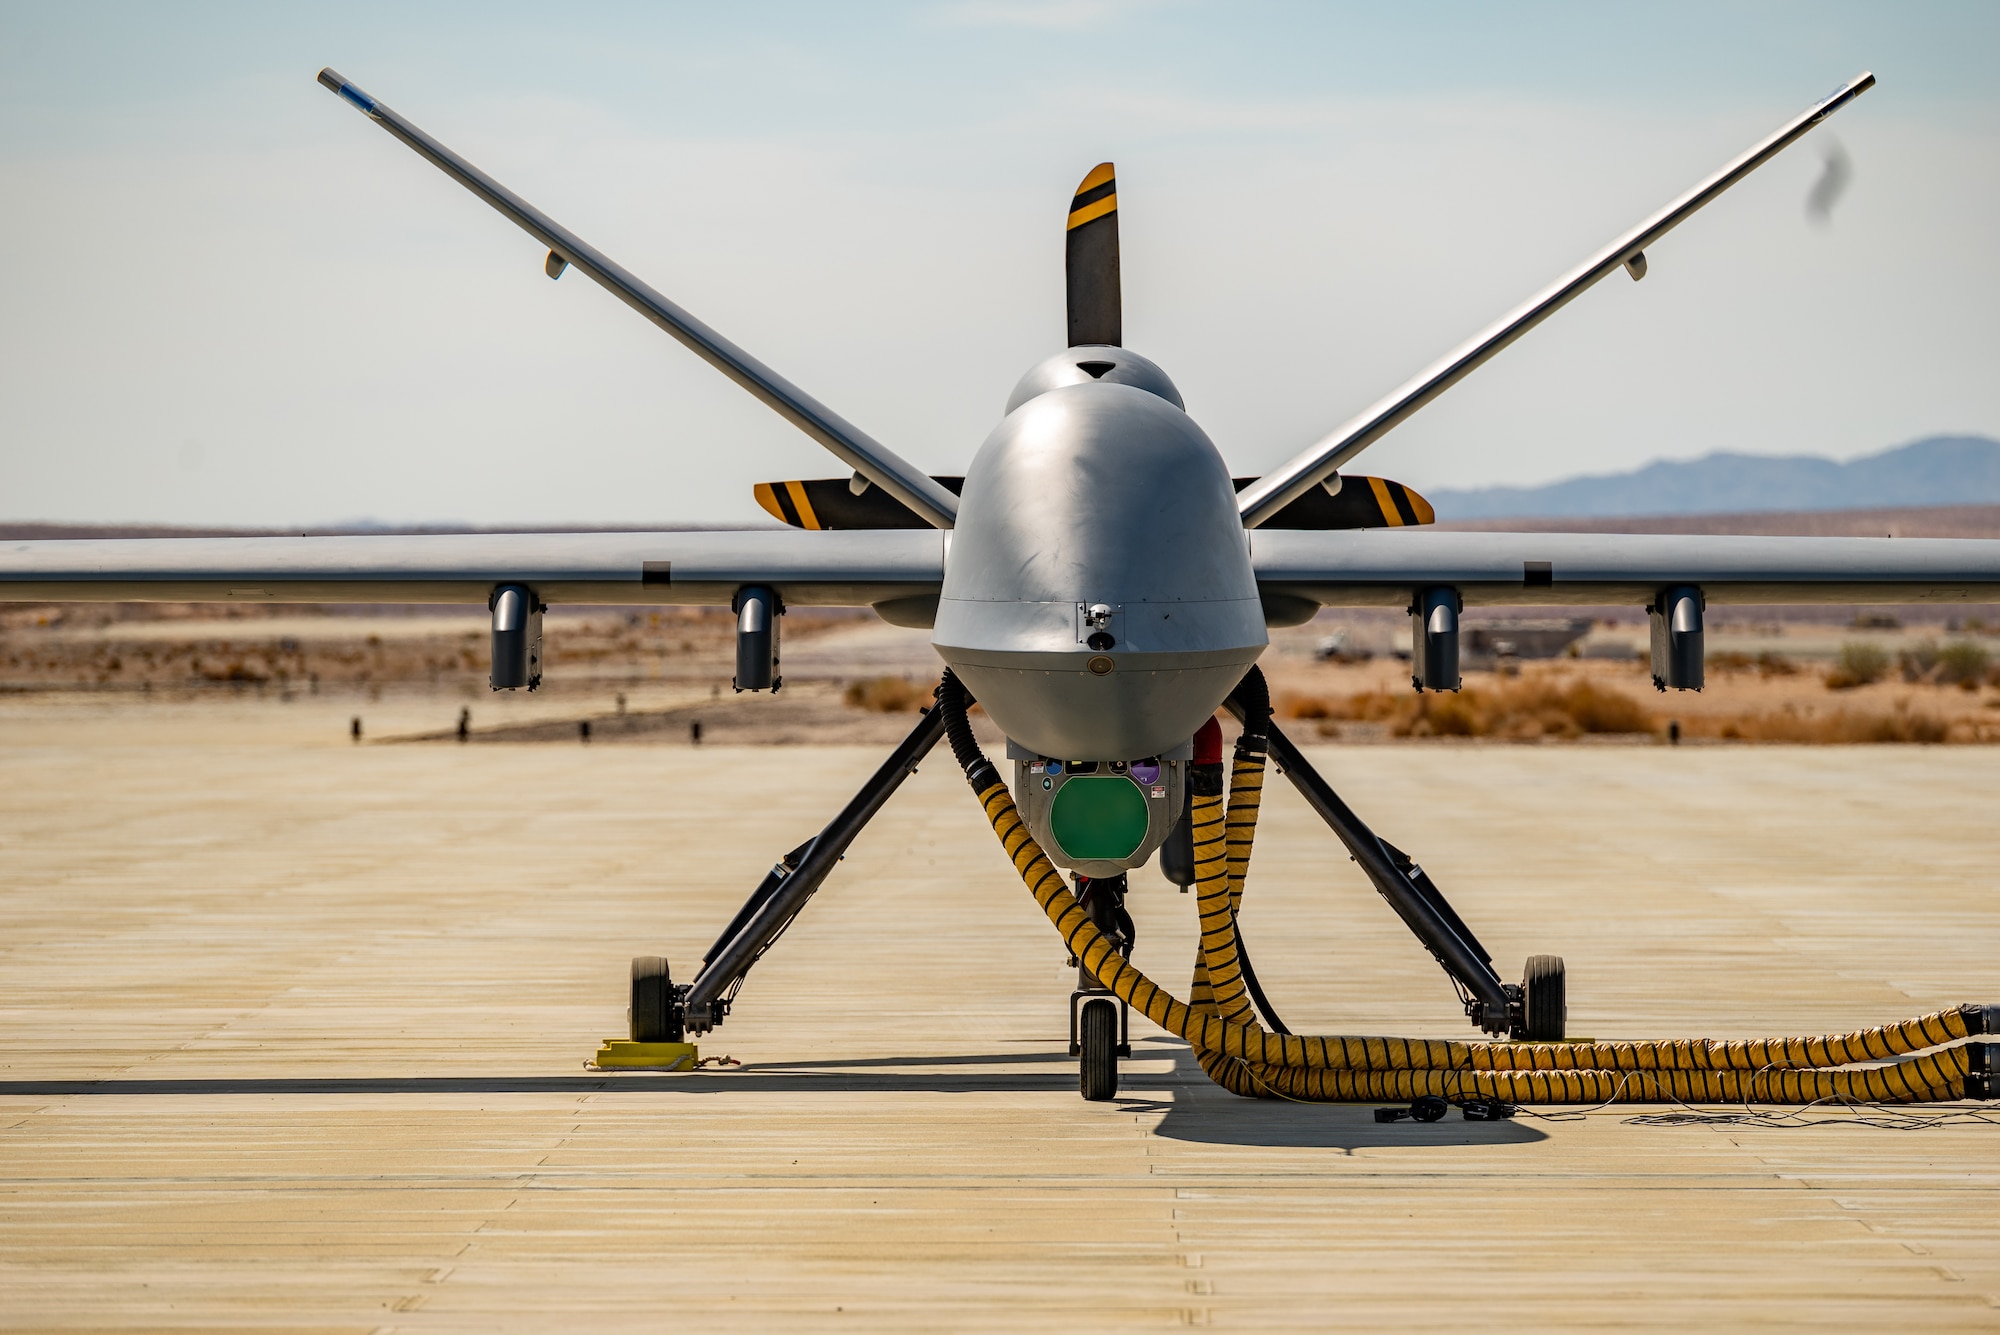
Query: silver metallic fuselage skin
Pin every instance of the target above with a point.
(1098, 491)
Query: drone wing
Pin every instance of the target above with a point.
(687, 568)
(1284, 484)
(849, 443)
(1386, 567)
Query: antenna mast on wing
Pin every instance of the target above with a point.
(1275, 491)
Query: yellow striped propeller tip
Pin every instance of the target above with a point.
(1097, 196)
(788, 503)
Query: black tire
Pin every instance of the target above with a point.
(1544, 1002)
(652, 1013)
(1097, 1032)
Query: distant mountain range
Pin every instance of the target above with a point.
(1938, 470)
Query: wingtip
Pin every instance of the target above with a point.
(330, 79)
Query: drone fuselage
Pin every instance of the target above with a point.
(1098, 597)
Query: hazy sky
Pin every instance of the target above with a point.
(231, 299)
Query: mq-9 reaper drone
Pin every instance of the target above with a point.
(1101, 585)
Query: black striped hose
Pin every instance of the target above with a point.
(1246, 1059)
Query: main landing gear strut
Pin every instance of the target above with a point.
(1535, 1010)
(663, 1011)
(666, 1012)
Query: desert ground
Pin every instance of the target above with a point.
(293, 1028)
(415, 674)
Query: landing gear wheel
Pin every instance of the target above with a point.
(652, 1013)
(1544, 1006)
(1097, 1030)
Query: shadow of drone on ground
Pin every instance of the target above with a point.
(1192, 1108)
(1202, 1112)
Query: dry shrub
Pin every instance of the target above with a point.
(1525, 712)
(886, 695)
(238, 670)
(1372, 707)
(1963, 663)
(1960, 663)
(1842, 726)
(1599, 710)
(1775, 665)
(1859, 663)
(1364, 706)
(1460, 714)
(1765, 664)
(1919, 662)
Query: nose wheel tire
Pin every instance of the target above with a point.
(652, 1012)
(1544, 1005)
(1097, 1036)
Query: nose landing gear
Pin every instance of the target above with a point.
(1098, 1048)
(1100, 1024)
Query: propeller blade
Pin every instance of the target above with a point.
(832, 502)
(1359, 502)
(1094, 312)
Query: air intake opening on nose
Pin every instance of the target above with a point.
(1095, 370)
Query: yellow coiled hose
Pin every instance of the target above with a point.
(1244, 1058)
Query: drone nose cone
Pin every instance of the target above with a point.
(1099, 599)
(1094, 362)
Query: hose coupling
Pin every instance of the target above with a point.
(1982, 1073)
